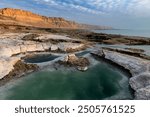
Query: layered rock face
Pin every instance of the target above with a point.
(138, 67)
(22, 17)
(14, 43)
(30, 18)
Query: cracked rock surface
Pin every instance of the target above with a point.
(12, 44)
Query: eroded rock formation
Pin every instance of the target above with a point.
(14, 44)
(138, 67)
(22, 17)
(80, 63)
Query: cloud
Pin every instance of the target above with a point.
(131, 7)
(139, 8)
(117, 13)
(81, 5)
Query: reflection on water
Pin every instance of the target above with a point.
(99, 82)
(79, 54)
(128, 32)
(39, 58)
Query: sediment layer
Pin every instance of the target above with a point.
(21, 17)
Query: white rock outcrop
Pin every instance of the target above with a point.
(143, 93)
(134, 64)
(140, 81)
(12, 44)
(6, 65)
(79, 62)
(138, 67)
(54, 47)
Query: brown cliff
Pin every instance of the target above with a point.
(22, 17)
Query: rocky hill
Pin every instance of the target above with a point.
(22, 17)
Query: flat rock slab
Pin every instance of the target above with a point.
(140, 81)
(13, 44)
(134, 64)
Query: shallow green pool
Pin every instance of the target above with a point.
(100, 82)
(40, 58)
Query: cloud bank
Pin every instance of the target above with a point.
(116, 13)
(130, 7)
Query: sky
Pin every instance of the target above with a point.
(121, 14)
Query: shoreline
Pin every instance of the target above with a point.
(136, 80)
(20, 69)
(77, 40)
(93, 61)
(119, 67)
(108, 31)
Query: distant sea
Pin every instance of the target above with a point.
(128, 32)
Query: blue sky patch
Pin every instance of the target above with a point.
(116, 13)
